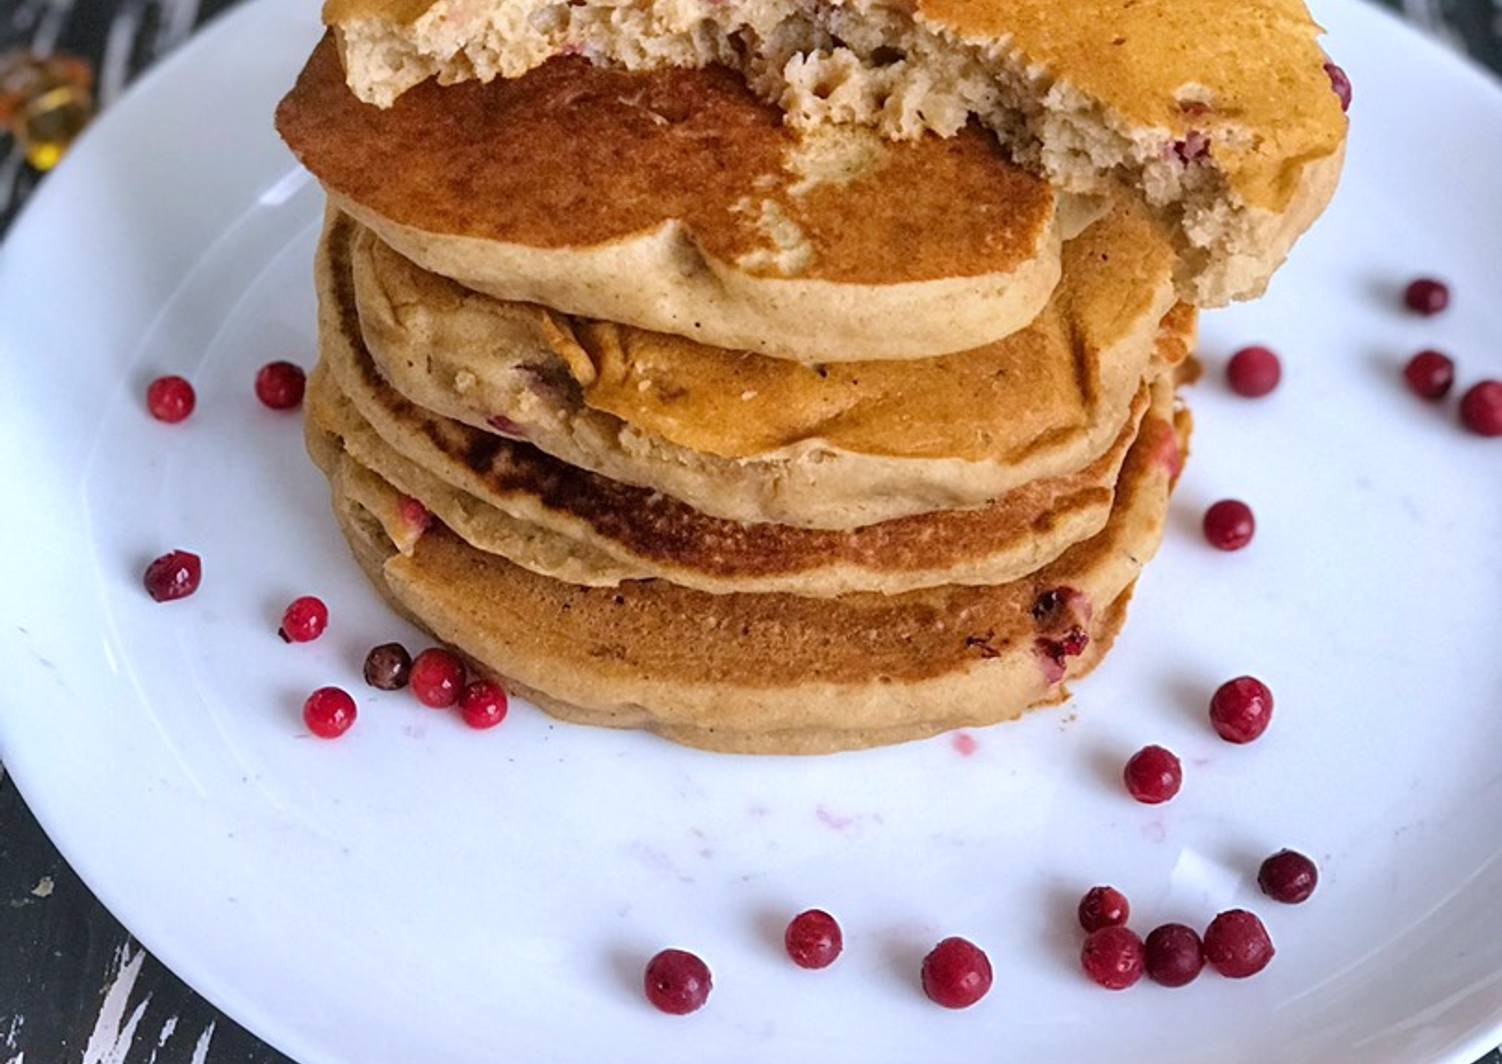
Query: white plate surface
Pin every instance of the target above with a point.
(419, 892)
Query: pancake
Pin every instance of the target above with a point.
(755, 439)
(774, 673)
(578, 527)
(676, 201)
(1218, 112)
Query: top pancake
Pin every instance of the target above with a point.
(732, 228)
(1219, 112)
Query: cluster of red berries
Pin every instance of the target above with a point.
(437, 677)
(955, 974)
(1431, 374)
(1235, 944)
(1240, 711)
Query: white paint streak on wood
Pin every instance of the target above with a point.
(111, 1038)
(43, 889)
(114, 68)
(13, 1029)
(19, 1058)
(201, 1050)
(167, 1029)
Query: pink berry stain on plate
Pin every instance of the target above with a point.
(834, 821)
(964, 744)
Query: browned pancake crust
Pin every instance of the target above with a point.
(571, 155)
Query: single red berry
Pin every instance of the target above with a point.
(1229, 524)
(813, 939)
(170, 399)
(174, 575)
(1153, 775)
(437, 677)
(388, 667)
(483, 704)
(1237, 945)
(329, 712)
(1103, 907)
(1174, 955)
(677, 982)
(1481, 408)
(1426, 296)
(1113, 957)
(1254, 371)
(956, 974)
(280, 385)
(415, 513)
(304, 620)
(1288, 876)
(1241, 709)
(1430, 374)
(1341, 84)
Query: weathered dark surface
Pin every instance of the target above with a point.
(75, 988)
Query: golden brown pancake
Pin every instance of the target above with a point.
(676, 201)
(773, 673)
(1219, 112)
(754, 439)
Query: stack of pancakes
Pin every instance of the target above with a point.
(674, 415)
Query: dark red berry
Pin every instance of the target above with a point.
(415, 513)
(1241, 709)
(1229, 524)
(437, 677)
(280, 385)
(1341, 84)
(304, 620)
(1254, 371)
(1103, 907)
(1237, 945)
(1481, 408)
(483, 704)
(956, 974)
(1153, 775)
(1113, 957)
(388, 666)
(1288, 876)
(170, 399)
(1430, 374)
(1174, 955)
(813, 939)
(1426, 296)
(173, 576)
(677, 982)
(329, 712)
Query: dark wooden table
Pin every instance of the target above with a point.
(75, 988)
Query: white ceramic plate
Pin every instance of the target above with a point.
(420, 892)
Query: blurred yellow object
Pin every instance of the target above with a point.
(45, 103)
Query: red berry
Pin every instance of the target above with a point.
(1236, 944)
(1426, 296)
(415, 513)
(956, 974)
(1341, 84)
(1229, 524)
(1103, 907)
(1174, 955)
(170, 399)
(1113, 957)
(329, 712)
(677, 982)
(813, 939)
(1153, 775)
(174, 575)
(1241, 709)
(388, 667)
(1253, 371)
(1288, 876)
(1481, 408)
(483, 704)
(304, 620)
(280, 385)
(437, 677)
(1430, 374)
